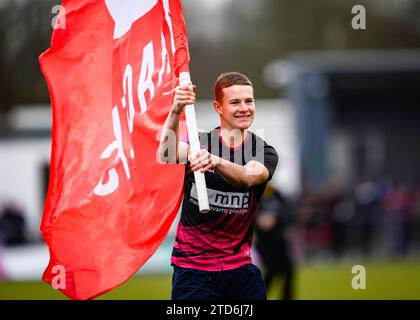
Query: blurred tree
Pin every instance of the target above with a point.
(244, 35)
(257, 32)
(5, 88)
(25, 29)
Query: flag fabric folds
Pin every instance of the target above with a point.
(110, 203)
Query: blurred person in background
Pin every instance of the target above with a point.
(342, 216)
(12, 225)
(367, 200)
(272, 219)
(315, 214)
(398, 204)
(415, 221)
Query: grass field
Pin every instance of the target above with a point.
(384, 280)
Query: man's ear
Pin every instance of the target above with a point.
(217, 106)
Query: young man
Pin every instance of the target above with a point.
(211, 254)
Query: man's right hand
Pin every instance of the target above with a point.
(172, 150)
(184, 95)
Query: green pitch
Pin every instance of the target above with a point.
(385, 280)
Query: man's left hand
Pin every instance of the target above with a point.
(203, 161)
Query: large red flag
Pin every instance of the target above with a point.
(110, 203)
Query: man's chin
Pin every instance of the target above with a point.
(243, 126)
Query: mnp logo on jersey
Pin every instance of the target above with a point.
(110, 203)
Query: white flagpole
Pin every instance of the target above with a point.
(200, 181)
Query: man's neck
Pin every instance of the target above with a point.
(232, 137)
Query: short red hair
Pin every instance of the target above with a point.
(228, 79)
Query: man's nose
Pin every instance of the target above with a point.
(243, 106)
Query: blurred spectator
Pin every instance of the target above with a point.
(415, 222)
(2, 271)
(273, 217)
(398, 203)
(343, 214)
(12, 225)
(367, 200)
(374, 216)
(316, 217)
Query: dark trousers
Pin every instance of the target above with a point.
(243, 283)
(286, 292)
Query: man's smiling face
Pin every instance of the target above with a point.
(237, 107)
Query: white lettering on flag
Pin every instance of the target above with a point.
(165, 58)
(126, 12)
(103, 189)
(128, 81)
(145, 84)
(169, 22)
(146, 73)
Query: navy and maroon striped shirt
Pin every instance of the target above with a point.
(222, 238)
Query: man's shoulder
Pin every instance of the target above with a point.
(207, 136)
(255, 138)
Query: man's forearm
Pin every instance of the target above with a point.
(169, 138)
(233, 173)
(168, 146)
(251, 174)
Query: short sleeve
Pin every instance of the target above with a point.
(270, 160)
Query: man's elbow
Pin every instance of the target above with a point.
(255, 175)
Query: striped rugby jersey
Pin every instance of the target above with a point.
(222, 238)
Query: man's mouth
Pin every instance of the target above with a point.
(242, 117)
